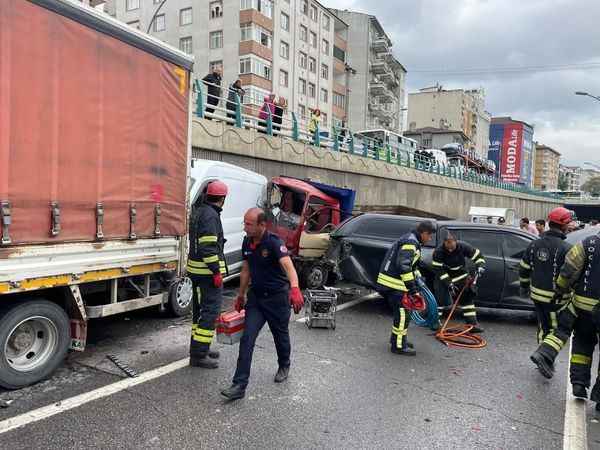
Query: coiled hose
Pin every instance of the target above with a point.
(428, 318)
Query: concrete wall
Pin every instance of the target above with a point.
(379, 185)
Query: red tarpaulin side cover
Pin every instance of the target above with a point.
(87, 118)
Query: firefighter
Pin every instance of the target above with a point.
(450, 260)
(397, 279)
(580, 272)
(206, 267)
(539, 268)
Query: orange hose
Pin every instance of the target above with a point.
(459, 336)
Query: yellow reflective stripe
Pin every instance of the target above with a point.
(455, 268)
(581, 359)
(208, 239)
(202, 339)
(401, 326)
(407, 276)
(205, 332)
(524, 280)
(562, 282)
(436, 264)
(417, 273)
(524, 265)
(476, 255)
(388, 281)
(554, 339)
(468, 307)
(443, 277)
(469, 314)
(193, 263)
(552, 344)
(461, 277)
(553, 321)
(585, 303)
(409, 247)
(540, 298)
(480, 261)
(543, 292)
(210, 259)
(197, 271)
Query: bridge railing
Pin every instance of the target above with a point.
(302, 128)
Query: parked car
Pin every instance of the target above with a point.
(359, 245)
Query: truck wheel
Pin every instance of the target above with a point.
(314, 277)
(180, 297)
(34, 340)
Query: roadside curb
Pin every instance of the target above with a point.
(575, 427)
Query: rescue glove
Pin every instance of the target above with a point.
(413, 302)
(240, 302)
(218, 280)
(296, 299)
(480, 271)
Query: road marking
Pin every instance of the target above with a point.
(346, 305)
(574, 432)
(65, 405)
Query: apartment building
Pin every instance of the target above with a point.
(430, 137)
(376, 79)
(547, 162)
(295, 49)
(455, 109)
(572, 177)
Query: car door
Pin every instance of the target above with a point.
(489, 288)
(513, 248)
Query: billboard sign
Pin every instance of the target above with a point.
(512, 143)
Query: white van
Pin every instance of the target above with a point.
(480, 214)
(247, 189)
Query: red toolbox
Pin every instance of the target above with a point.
(230, 327)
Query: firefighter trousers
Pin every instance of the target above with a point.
(401, 320)
(467, 304)
(585, 339)
(547, 318)
(557, 338)
(207, 300)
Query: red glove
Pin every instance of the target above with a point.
(296, 299)
(413, 302)
(218, 280)
(240, 302)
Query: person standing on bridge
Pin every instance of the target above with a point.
(270, 273)
(397, 281)
(213, 90)
(206, 267)
(539, 268)
(450, 260)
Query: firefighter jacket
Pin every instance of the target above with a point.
(541, 265)
(206, 242)
(581, 271)
(452, 266)
(399, 268)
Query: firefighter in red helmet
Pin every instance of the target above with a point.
(540, 267)
(206, 268)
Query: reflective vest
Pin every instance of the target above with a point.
(452, 266)
(206, 255)
(587, 289)
(398, 270)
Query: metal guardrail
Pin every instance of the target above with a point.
(299, 128)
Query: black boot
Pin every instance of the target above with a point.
(579, 391)
(203, 362)
(282, 374)
(214, 354)
(405, 351)
(595, 394)
(545, 366)
(234, 392)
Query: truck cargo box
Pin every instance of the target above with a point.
(93, 118)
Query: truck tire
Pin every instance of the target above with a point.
(314, 276)
(34, 340)
(180, 297)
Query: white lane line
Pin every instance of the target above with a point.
(346, 305)
(575, 427)
(74, 402)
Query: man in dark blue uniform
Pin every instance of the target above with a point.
(274, 288)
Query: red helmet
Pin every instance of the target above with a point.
(217, 188)
(560, 216)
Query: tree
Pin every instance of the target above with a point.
(592, 186)
(563, 184)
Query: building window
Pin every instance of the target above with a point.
(185, 45)
(285, 22)
(256, 66)
(312, 65)
(283, 78)
(324, 95)
(302, 57)
(324, 71)
(326, 22)
(325, 47)
(304, 7)
(216, 9)
(254, 96)
(284, 50)
(302, 111)
(159, 22)
(339, 54)
(214, 65)
(132, 4)
(303, 33)
(339, 100)
(265, 7)
(302, 86)
(314, 13)
(313, 39)
(253, 32)
(324, 119)
(185, 16)
(312, 90)
(216, 39)
(134, 24)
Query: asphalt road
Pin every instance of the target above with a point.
(345, 390)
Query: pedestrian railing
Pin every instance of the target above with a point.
(336, 139)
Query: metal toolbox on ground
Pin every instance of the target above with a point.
(230, 327)
(320, 308)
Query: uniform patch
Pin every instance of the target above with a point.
(543, 255)
(264, 253)
(283, 249)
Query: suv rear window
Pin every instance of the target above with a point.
(385, 228)
(487, 241)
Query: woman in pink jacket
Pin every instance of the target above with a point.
(268, 105)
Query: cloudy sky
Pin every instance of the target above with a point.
(530, 56)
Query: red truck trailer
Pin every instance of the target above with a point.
(94, 160)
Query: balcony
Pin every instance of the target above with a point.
(379, 110)
(377, 88)
(380, 45)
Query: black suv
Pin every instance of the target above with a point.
(359, 246)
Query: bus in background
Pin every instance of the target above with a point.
(379, 139)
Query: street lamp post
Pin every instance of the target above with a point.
(585, 94)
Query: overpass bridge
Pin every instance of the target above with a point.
(586, 209)
(383, 182)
